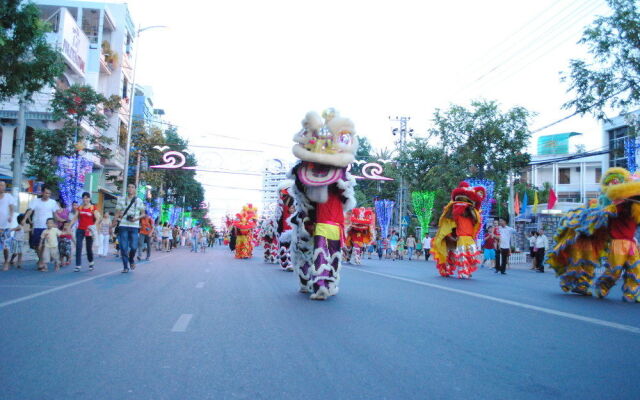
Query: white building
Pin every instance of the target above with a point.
(274, 174)
(85, 32)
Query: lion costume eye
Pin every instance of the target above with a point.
(345, 139)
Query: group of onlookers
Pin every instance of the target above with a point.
(396, 247)
(54, 232)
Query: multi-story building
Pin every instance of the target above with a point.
(574, 177)
(96, 41)
(144, 108)
(274, 173)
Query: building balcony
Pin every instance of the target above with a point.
(116, 161)
(105, 68)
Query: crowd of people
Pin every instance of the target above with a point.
(57, 233)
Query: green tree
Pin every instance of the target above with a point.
(72, 108)
(27, 62)
(476, 142)
(612, 78)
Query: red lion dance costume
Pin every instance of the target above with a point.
(245, 223)
(360, 232)
(284, 210)
(322, 193)
(454, 245)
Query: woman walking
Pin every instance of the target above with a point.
(104, 234)
(86, 216)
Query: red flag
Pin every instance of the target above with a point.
(516, 205)
(552, 199)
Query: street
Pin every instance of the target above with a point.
(207, 326)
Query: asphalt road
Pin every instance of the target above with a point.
(206, 326)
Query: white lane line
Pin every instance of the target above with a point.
(57, 288)
(26, 286)
(199, 285)
(594, 321)
(182, 323)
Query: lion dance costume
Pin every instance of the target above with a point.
(322, 193)
(269, 236)
(245, 223)
(284, 210)
(360, 232)
(601, 235)
(454, 245)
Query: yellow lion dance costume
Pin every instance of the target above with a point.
(602, 235)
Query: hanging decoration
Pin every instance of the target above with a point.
(423, 207)
(165, 213)
(630, 148)
(487, 203)
(173, 159)
(384, 212)
(73, 171)
(371, 171)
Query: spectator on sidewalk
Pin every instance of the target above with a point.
(49, 245)
(489, 250)
(7, 208)
(40, 210)
(146, 232)
(504, 243)
(18, 242)
(166, 233)
(541, 247)
(128, 213)
(426, 246)
(86, 216)
(65, 242)
(411, 246)
(533, 235)
(105, 231)
(400, 249)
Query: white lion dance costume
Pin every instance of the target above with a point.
(283, 213)
(360, 232)
(269, 236)
(454, 246)
(322, 193)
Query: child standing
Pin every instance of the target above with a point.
(65, 243)
(49, 245)
(400, 248)
(19, 238)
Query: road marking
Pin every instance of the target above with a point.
(199, 285)
(182, 323)
(594, 321)
(26, 286)
(57, 288)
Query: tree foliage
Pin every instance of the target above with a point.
(612, 78)
(73, 108)
(477, 142)
(27, 62)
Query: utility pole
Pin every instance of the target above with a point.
(138, 170)
(401, 144)
(18, 155)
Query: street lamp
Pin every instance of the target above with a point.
(133, 93)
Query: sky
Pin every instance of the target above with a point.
(242, 74)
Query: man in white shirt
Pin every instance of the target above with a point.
(7, 208)
(426, 245)
(542, 242)
(504, 246)
(129, 211)
(41, 209)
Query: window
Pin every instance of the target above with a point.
(617, 137)
(564, 176)
(598, 174)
